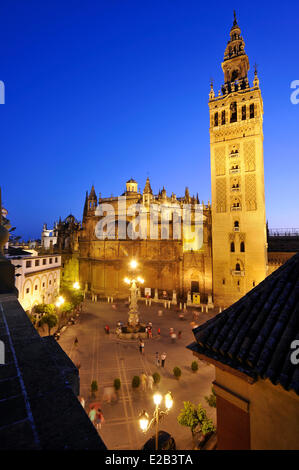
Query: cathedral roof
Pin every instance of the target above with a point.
(255, 334)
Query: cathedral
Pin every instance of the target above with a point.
(231, 255)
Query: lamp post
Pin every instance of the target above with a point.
(133, 307)
(76, 286)
(144, 421)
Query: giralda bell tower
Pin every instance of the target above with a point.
(237, 171)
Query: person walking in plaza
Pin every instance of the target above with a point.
(143, 380)
(159, 332)
(150, 382)
(179, 335)
(141, 346)
(92, 415)
(107, 329)
(99, 419)
(150, 332)
(157, 360)
(173, 337)
(163, 358)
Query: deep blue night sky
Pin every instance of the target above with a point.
(101, 91)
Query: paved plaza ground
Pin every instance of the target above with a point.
(105, 357)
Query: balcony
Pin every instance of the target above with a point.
(236, 189)
(237, 273)
(236, 208)
(236, 229)
(234, 170)
(234, 154)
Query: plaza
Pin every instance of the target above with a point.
(104, 357)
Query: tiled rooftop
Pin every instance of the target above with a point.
(254, 335)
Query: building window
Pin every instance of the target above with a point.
(223, 281)
(238, 267)
(28, 264)
(223, 117)
(236, 224)
(243, 113)
(56, 260)
(233, 112)
(251, 111)
(216, 119)
(242, 247)
(37, 262)
(50, 260)
(44, 261)
(232, 247)
(27, 290)
(35, 287)
(43, 284)
(253, 283)
(50, 282)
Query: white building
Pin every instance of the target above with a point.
(37, 277)
(49, 236)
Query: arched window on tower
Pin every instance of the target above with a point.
(232, 247)
(242, 247)
(251, 111)
(216, 119)
(238, 267)
(244, 112)
(223, 117)
(233, 112)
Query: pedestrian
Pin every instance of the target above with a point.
(179, 335)
(159, 332)
(146, 330)
(109, 394)
(143, 380)
(150, 382)
(141, 346)
(82, 401)
(76, 341)
(99, 419)
(157, 360)
(150, 324)
(163, 357)
(92, 415)
(171, 330)
(173, 337)
(107, 329)
(150, 333)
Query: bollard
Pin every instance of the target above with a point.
(111, 299)
(168, 303)
(180, 305)
(207, 309)
(220, 309)
(185, 306)
(146, 302)
(150, 302)
(202, 308)
(165, 304)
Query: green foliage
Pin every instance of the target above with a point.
(207, 426)
(194, 366)
(49, 319)
(117, 384)
(94, 387)
(177, 372)
(40, 308)
(195, 417)
(156, 377)
(211, 399)
(66, 307)
(50, 308)
(135, 381)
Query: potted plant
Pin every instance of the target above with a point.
(194, 366)
(177, 372)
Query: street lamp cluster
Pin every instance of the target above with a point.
(144, 421)
(59, 301)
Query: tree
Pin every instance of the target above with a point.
(156, 378)
(94, 388)
(177, 372)
(40, 308)
(194, 366)
(50, 319)
(135, 381)
(117, 384)
(211, 399)
(195, 418)
(50, 308)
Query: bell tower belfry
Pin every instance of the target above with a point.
(239, 241)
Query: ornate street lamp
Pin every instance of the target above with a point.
(132, 282)
(144, 421)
